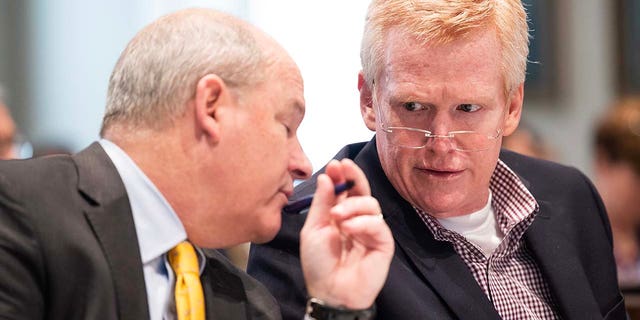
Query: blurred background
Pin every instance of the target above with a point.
(56, 58)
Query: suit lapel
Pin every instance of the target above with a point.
(109, 214)
(437, 262)
(441, 266)
(557, 258)
(558, 261)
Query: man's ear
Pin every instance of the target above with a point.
(514, 110)
(211, 96)
(366, 103)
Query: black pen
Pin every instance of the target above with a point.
(301, 205)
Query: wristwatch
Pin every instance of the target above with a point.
(318, 310)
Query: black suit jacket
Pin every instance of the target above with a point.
(69, 250)
(570, 239)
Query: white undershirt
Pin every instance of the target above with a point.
(479, 228)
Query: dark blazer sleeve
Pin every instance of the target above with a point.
(21, 265)
(53, 264)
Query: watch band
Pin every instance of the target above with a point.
(318, 310)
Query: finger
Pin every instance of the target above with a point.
(323, 200)
(355, 206)
(369, 230)
(353, 173)
(335, 171)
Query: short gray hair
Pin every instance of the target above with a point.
(157, 73)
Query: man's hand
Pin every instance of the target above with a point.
(345, 245)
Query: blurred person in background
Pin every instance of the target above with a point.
(7, 134)
(617, 177)
(7, 131)
(13, 145)
(527, 141)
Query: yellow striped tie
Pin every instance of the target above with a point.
(189, 296)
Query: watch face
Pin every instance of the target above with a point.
(318, 310)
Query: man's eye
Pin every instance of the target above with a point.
(413, 106)
(467, 107)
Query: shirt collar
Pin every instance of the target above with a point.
(157, 226)
(511, 198)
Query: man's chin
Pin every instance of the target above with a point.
(265, 239)
(266, 234)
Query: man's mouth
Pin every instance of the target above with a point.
(443, 173)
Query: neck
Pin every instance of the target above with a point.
(182, 168)
(163, 156)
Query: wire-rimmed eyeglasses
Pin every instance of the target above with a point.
(468, 141)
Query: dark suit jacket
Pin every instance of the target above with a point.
(570, 240)
(68, 248)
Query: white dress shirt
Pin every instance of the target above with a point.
(158, 229)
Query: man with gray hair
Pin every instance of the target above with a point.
(7, 130)
(198, 150)
(481, 233)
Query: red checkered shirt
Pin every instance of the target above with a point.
(510, 276)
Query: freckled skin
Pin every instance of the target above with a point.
(436, 178)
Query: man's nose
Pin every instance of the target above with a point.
(440, 143)
(440, 140)
(299, 165)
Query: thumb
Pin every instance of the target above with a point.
(323, 200)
